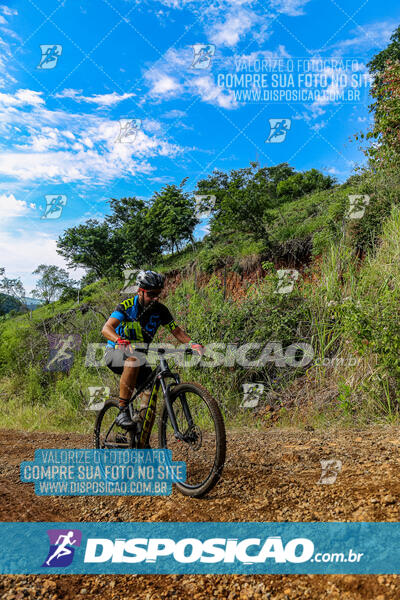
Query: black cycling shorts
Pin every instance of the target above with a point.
(115, 359)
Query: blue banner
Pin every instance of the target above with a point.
(82, 472)
(249, 548)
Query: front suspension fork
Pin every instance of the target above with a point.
(170, 410)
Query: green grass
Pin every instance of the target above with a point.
(350, 309)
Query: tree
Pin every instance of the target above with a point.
(377, 64)
(279, 172)
(52, 283)
(243, 197)
(138, 236)
(89, 278)
(385, 67)
(300, 184)
(12, 293)
(94, 246)
(172, 217)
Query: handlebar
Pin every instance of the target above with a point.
(172, 350)
(161, 351)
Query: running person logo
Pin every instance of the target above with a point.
(98, 396)
(50, 55)
(61, 351)
(330, 470)
(54, 206)
(63, 543)
(252, 393)
(204, 205)
(286, 280)
(358, 204)
(130, 286)
(278, 130)
(203, 54)
(128, 130)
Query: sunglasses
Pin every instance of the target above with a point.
(153, 294)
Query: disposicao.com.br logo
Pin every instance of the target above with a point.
(109, 552)
(190, 550)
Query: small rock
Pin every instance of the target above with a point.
(388, 499)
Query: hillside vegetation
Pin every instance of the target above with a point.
(333, 353)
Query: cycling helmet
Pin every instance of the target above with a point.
(150, 280)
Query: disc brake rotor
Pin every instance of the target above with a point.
(194, 437)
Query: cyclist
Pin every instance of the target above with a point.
(137, 320)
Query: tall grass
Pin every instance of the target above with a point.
(348, 311)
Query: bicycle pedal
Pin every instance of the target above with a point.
(137, 418)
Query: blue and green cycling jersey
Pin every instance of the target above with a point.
(140, 324)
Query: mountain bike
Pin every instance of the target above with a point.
(190, 424)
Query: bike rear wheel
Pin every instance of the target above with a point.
(205, 447)
(106, 433)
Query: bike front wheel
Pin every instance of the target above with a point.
(107, 434)
(203, 449)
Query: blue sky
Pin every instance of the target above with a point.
(128, 60)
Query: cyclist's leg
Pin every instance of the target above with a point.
(128, 378)
(127, 368)
(145, 371)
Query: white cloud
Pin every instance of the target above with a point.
(339, 79)
(54, 145)
(228, 22)
(210, 92)
(162, 179)
(6, 53)
(152, 126)
(162, 84)
(174, 114)
(99, 99)
(22, 97)
(9, 12)
(162, 79)
(6, 57)
(191, 82)
(22, 251)
(370, 36)
(292, 8)
(65, 167)
(179, 4)
(47, 139)
(201, 230)
(10, 207)
(229, 31)
(240, 62)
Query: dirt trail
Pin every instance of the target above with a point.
(269, 476)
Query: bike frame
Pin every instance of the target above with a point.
(158, 379)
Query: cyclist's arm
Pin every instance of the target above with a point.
(181, 335)
(170, 324)
(109, 329)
